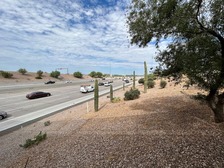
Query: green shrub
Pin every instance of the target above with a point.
(141, 81)
(6, 74)
(151, 84)
(47, 123)
(77, 74)
(163, 84)
(22, 71)
(37, 139)
(131, 94)
(55, 74)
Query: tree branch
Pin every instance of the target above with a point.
(203, 28)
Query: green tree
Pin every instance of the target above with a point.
(195, 31)
(78, 74)
(39, 74)
(99, 75)
(55, 74)
(92, 74)
(22, 71)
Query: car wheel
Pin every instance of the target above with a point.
(48, 94)
(1, 117)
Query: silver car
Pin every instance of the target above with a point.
(3, 115)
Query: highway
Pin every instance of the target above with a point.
(13, 97)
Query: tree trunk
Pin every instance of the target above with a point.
(218, 113)
(217, 105)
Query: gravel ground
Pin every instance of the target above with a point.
(163, 128)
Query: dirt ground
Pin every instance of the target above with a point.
(163, 128)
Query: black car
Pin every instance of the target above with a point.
(100, 83)
(126, 81)
(3, 115)
(50, 82)
(35, 95)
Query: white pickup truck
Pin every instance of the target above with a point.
(86, 88)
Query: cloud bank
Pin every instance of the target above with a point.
(82, 35)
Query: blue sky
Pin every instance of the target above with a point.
(81, 35)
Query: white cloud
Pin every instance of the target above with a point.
(67, 34)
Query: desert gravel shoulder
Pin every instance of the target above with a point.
(163, 128)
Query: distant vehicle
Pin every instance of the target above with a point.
(86, 88)
(103, 79)
(126, 81)
(68, 81)
(100, 83)
(3, 115)
(35, 95)
(50, 82)
(110, 81)
(106, 84)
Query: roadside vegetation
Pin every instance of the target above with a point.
(78, 74)
(55, 74)
(151, 81)
(23, 71)
(132, 94)
(6, 74)
(35, 141)
(195, 50)
(39, 74)
(163, 84)
(94, 74)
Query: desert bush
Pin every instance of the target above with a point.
(116, 99)
(151, 84)
(6, 74)
(55, 74)
(47, 123)
(22, 71)
(131, 94)
(37, 139)
(77, 74)
(39, 74)
(163, 84)
(141, 81)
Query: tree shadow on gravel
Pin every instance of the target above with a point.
(172, 113)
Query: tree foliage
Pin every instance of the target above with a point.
(55, 74)
(94, 74)
(22, 71)
(78, 74)
(195, 32)
(39, 74)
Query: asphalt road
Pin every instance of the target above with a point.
(14, 102)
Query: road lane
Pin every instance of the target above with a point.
(16, 104)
